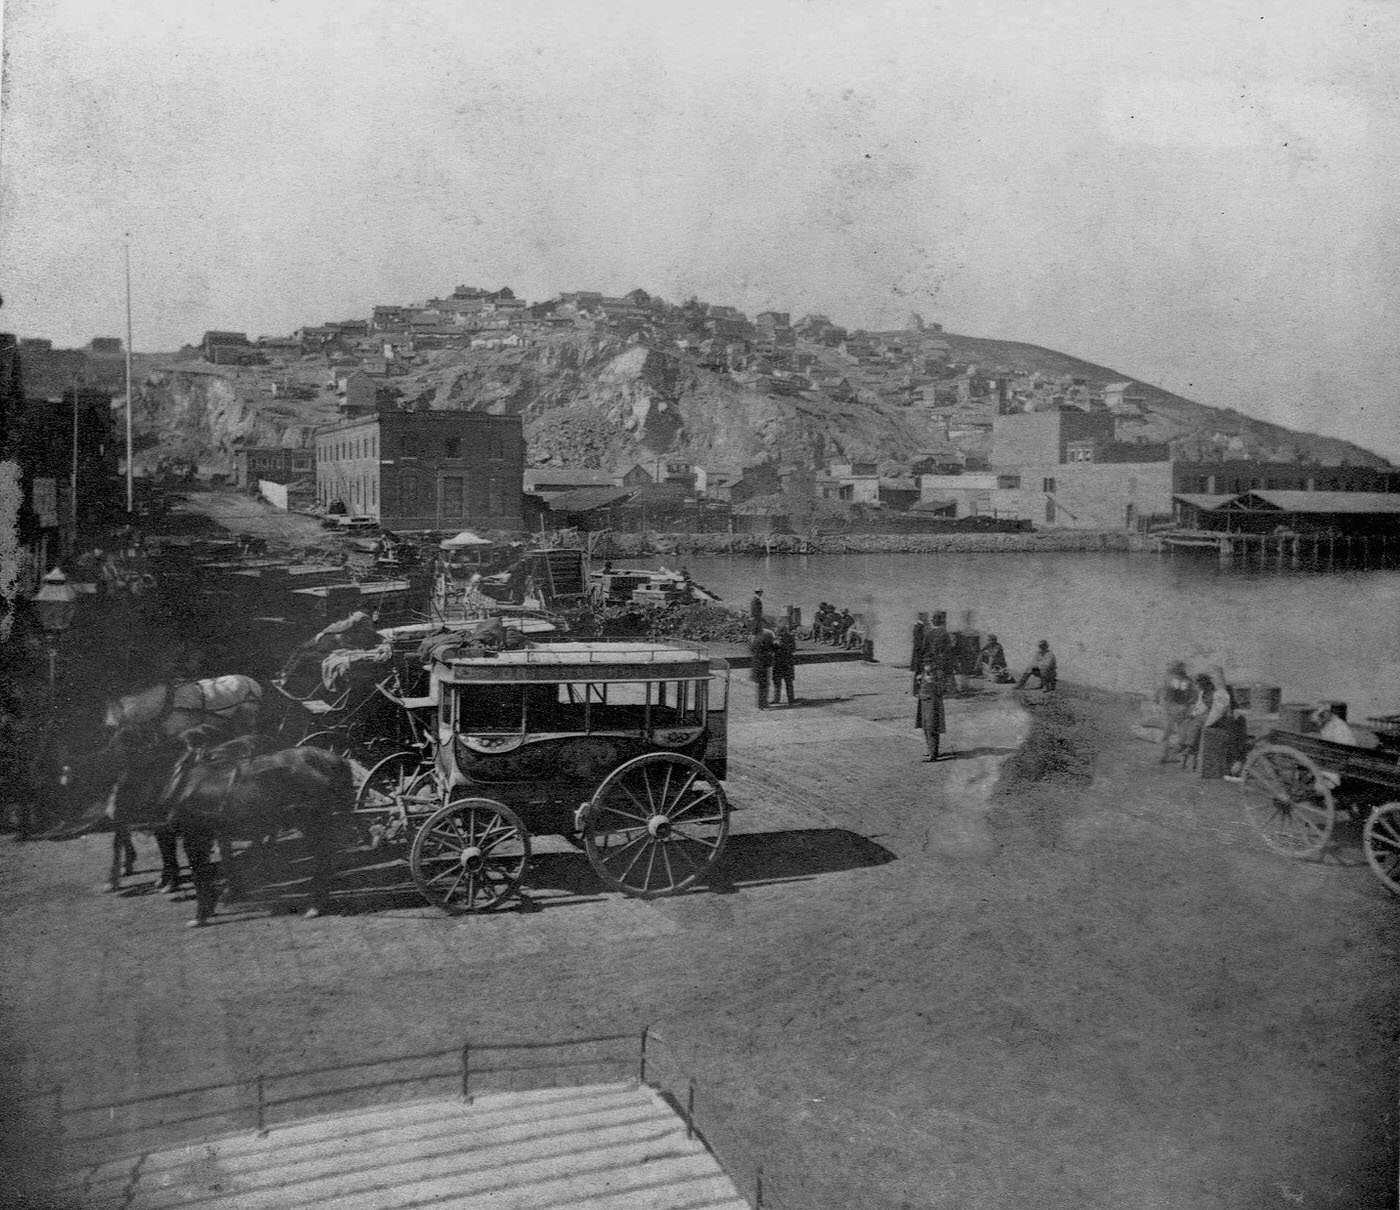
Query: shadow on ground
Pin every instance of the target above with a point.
(379, 881)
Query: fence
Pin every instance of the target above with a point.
(92, 1133)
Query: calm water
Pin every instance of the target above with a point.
(1113, 620)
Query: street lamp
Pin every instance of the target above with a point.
(56, 604)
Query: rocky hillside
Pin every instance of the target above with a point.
(592, 398)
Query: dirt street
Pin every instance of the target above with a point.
(901, 991)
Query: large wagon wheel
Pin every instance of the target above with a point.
(1381, 838)
(655, 824)
(470, 855)
(397, 787)
(1288, 799)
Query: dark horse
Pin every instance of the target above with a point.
(225, 794)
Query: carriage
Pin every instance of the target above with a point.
(618, 747)
(1295, 786)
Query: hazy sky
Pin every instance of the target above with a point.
(1199, 194)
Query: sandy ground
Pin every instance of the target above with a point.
(898, 991)
(243, 514)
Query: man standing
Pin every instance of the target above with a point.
(784, 662)
(938, 644)
(929, 717)
(756, 611)
(761, 648)
(916, 652)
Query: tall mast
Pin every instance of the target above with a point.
(130, 505)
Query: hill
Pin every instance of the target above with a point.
(598, 398)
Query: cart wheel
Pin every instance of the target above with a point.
(470, 855)
(1382, 840)
(1288, 800)
(397, 785)
(656, 824)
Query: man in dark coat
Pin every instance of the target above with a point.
(916, 652)
(929, 717)
(756, 611)
(938, 644)
(761, 649)
(784, 662)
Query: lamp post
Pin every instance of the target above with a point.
(56, 604)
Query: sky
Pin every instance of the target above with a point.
(1197, 193)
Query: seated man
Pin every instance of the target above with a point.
(1044, 669)
(991, 661)
(1337, 730)
(1212, 709)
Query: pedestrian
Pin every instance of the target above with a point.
(784, 662)
(916, 652)
(938, 644)
(1044, 668)
(756, 611)
(1175, 697)
(928, 716)
(761, 648)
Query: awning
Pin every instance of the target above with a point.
(464, 539)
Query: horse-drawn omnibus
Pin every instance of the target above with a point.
(619, 747)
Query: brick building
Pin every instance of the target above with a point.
(272, 463)
(425, 470)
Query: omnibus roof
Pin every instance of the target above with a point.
(579, 662)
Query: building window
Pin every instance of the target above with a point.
(1049, 510)
(409, 446)
(452, 496)
(1048, 487)
(495, 498)
(498, 445)
(452, 447)
(408, 493)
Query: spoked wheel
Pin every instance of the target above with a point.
(656, 824)
(397, 787)
(397, 780)
(470, 855)
(329, 741)
(1287, 798)
(1381, 838)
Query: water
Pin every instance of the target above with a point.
(1114, 620)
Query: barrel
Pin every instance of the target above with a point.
(1265, 698)
(1295, 716)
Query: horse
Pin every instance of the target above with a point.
(96, 774)
(175, 706)
(225, 793)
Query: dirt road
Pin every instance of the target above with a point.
(902, 992)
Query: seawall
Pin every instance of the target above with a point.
(625, 545)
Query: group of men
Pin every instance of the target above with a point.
(937, 658)
(773, 655)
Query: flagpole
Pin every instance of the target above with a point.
(130, 505)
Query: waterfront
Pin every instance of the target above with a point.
(1114, 619)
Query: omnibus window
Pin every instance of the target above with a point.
(489, 708)
(678, 704)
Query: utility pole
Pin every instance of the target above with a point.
(130, 495)
(73, 478)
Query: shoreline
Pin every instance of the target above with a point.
(631, 545)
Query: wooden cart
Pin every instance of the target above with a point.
(1295, 784)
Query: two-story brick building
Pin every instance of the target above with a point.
(425, 470)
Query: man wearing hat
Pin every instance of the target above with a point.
(756, 611)
(1044, 668)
